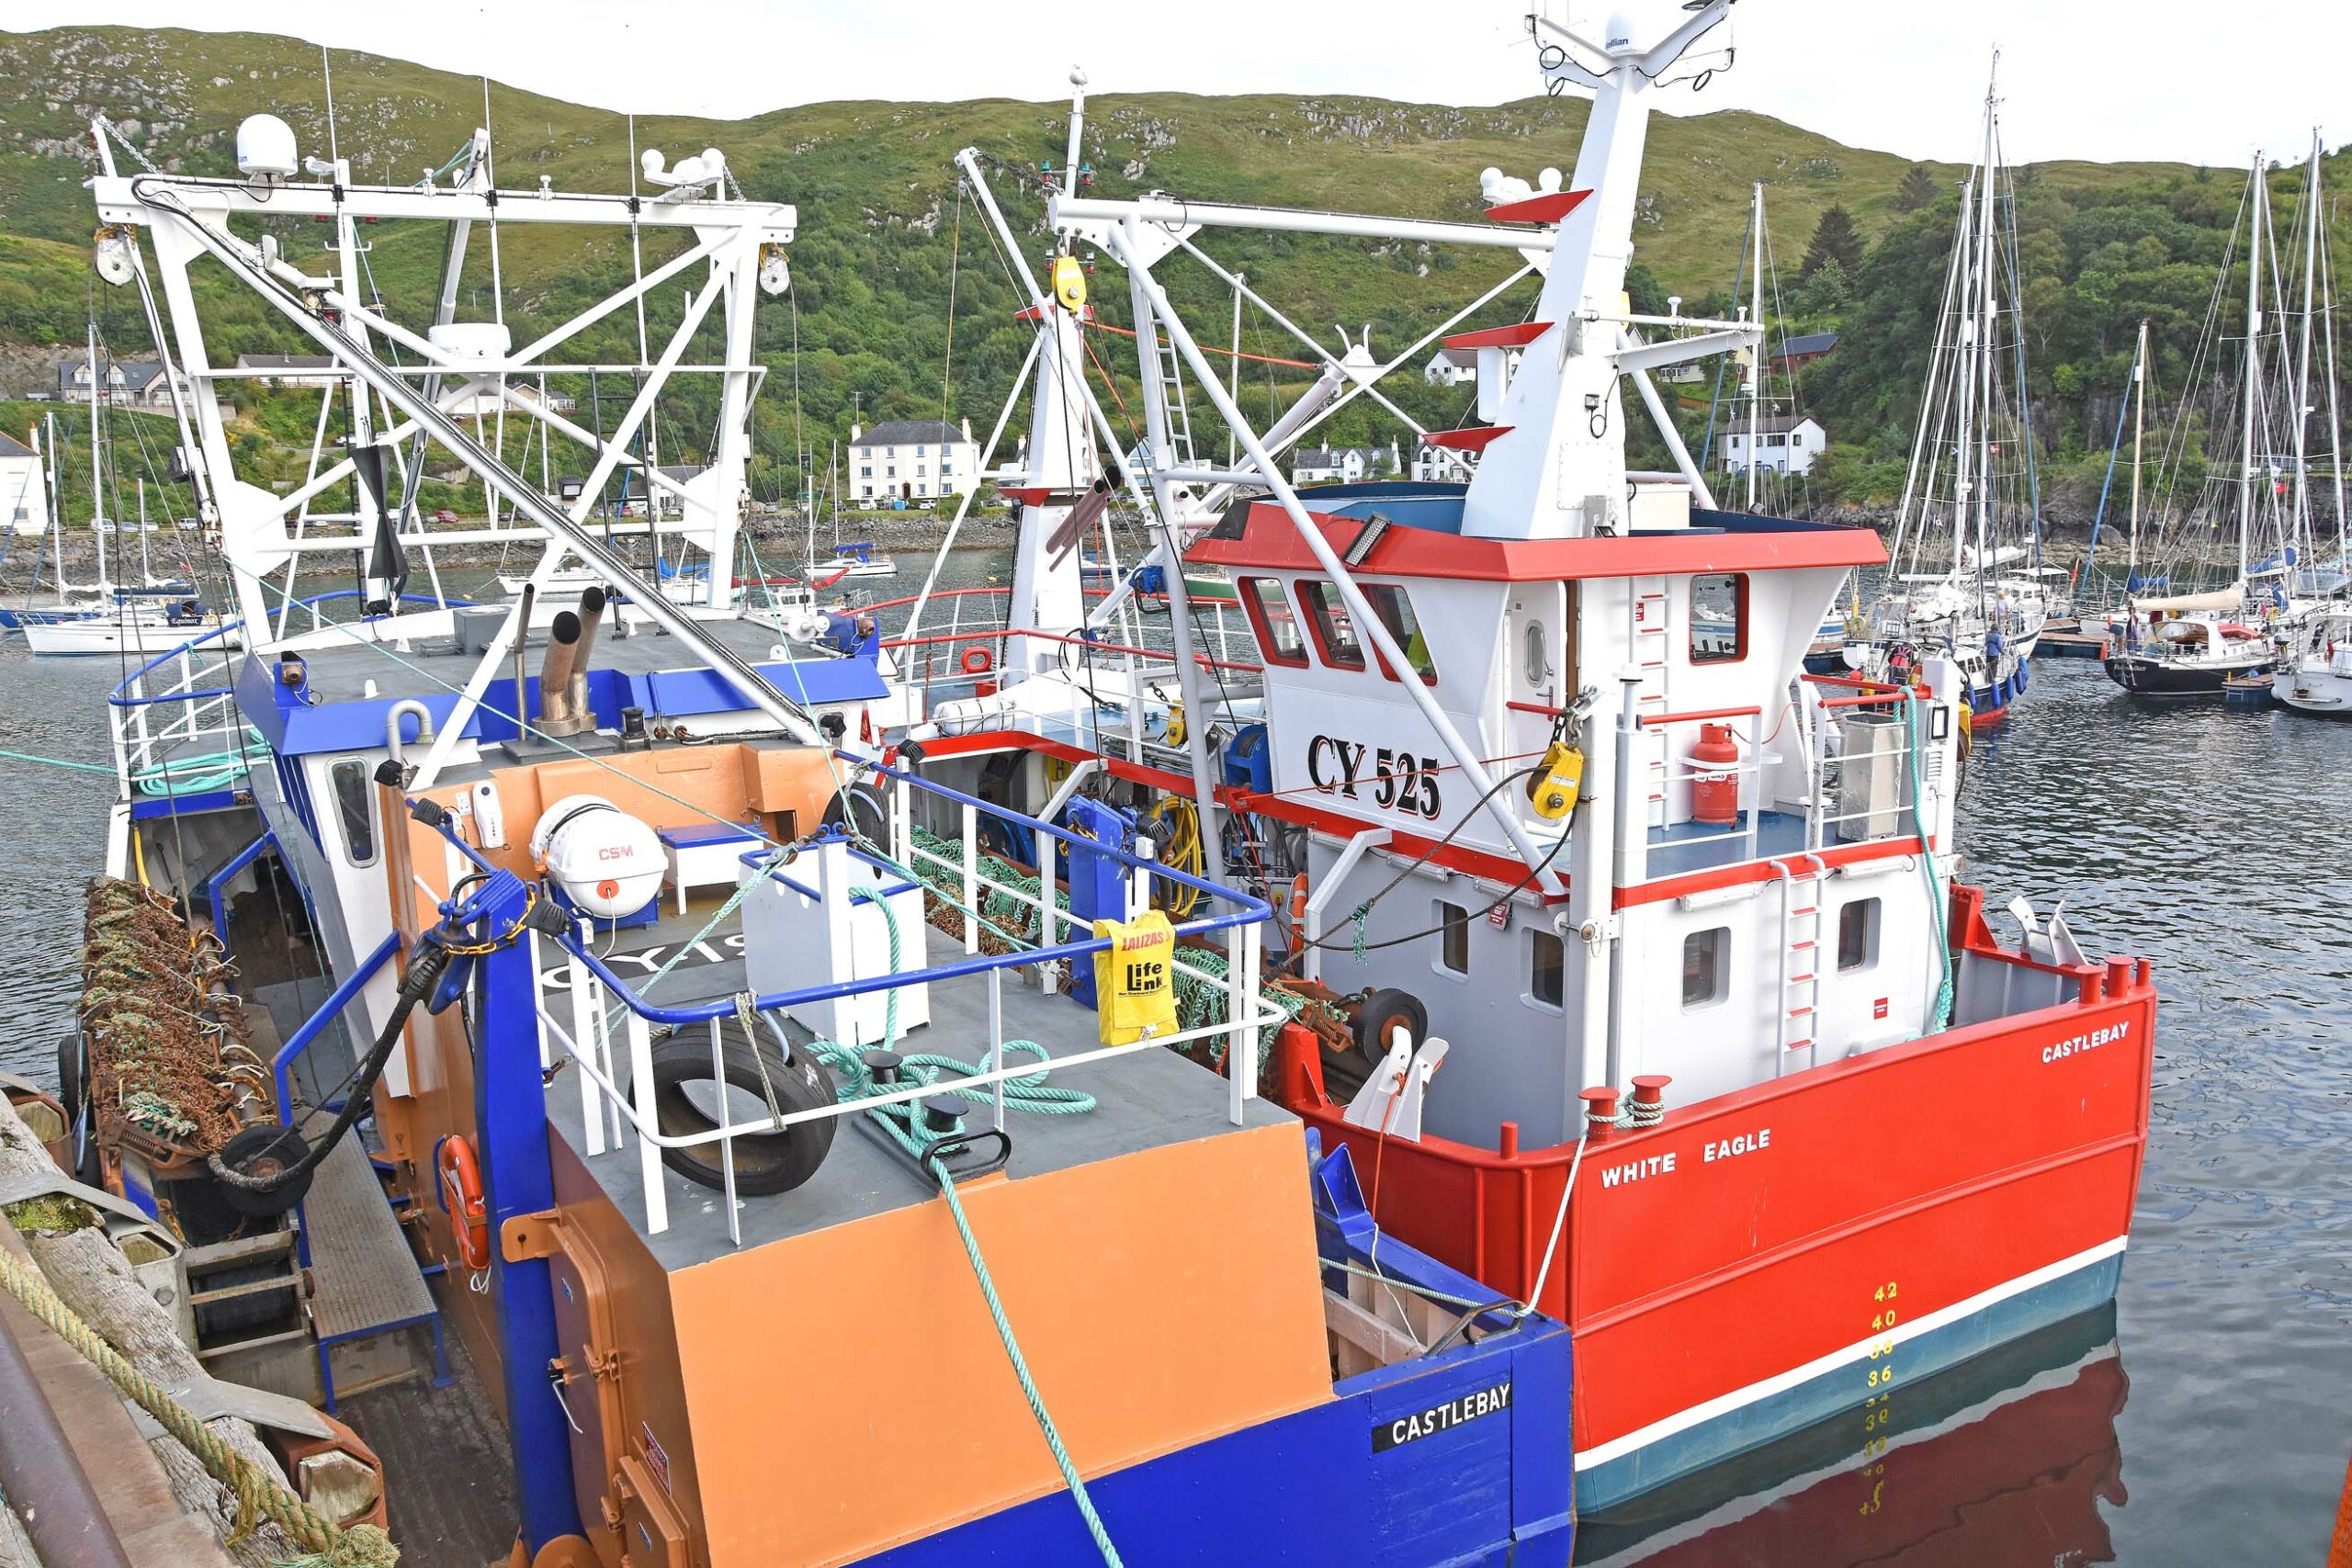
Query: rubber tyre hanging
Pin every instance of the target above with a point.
(263, 1151)
(765, 1163)
(69, 1073)
(861, 810)
(1377, 1020)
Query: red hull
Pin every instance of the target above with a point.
(1819, 1221)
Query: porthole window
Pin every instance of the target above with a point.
(1539, 656)
(1719, 618)
(1546, 980)
(1453, 938)
(1858, 935)
(1705, 957)
(355, 803)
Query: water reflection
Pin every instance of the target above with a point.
(2005, 1460)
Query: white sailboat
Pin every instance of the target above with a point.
(1968, 581)
(2197, 642)
(101, 617)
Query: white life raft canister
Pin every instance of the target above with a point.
(607, 862)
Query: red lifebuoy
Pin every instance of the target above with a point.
(452, 1162)
(977, 661)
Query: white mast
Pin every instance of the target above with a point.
(97, 469)
(2259, 207)
(57, 508)
(2138, 392)
(2302, 525)
(1988, 270)
(1756, 355)
(1561, 471)
(1964, 377)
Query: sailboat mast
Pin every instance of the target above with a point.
(2138, 392)
(1964, 376)
(98, 469)
(1988, 306)
(2303, 356)
(1756, 364)
(2255, 250)
(2334, 425)
(57, 507)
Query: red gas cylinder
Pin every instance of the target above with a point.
(1714, 786)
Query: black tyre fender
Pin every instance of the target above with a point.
(862, 811)
(1376, 1022)
(69, 1073)
(765, 1163)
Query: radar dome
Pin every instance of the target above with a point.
(265, 149)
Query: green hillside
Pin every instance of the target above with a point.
(884, 236)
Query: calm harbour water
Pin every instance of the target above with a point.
(2212, 1427)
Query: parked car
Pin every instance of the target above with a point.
(445, 515)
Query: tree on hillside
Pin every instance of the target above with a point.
(1834, 239)
(1917, 191)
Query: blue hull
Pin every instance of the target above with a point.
(1310, 1488)
(1457, 1458)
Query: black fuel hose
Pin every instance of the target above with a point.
(422, 974)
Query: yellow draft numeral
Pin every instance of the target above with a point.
(1883, 1320)
(1880, 1376)
(1874, 1506)
(1886, 1292)
(1883, 1348)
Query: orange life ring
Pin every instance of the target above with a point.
(453, 1161)
(977, 661)
(1298, 912)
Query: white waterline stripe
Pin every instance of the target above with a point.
(1723, 1405)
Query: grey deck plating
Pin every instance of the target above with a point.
(364, 1277)
(1150, 1099)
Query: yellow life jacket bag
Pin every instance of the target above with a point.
(1134, 979)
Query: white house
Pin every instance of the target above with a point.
(1459, 367)
(912, 459)
(1786, 444)
(122, 383)
(24, 490)
(1343, 464)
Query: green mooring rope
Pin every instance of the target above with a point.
(259, 1494)
(1029, 1092)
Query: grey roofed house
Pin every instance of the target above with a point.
(909, 433)
(11, 447)
(131, 375)
(1771, 424)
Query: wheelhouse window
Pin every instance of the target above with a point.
(1719, 618)
(1858, 935)
(1453, 938)
(354, 805)
(1335, 630)
(1546, 971)
(1394, 608)
(1705, 958)
(1268, 606)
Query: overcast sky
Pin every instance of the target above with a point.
(2109, 82)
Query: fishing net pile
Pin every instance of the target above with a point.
(167, 1065)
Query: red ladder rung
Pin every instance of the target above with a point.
(1799, 1044)
(1799, 1012)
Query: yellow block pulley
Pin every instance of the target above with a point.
(1134, 979)
(1070, 283)
(1559, 778)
